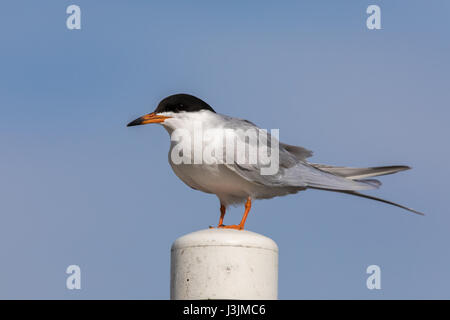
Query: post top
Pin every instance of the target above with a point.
(225, 237)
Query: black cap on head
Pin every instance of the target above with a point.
(182, 102)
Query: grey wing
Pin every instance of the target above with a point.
(293, 170)
(299, 152)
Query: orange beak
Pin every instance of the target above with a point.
(148, 118)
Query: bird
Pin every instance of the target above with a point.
(241, 182)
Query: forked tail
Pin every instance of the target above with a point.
(360, 174)
(354, 193)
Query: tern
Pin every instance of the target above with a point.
(242, 182)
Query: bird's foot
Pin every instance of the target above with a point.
(218, 226)
(232, 226)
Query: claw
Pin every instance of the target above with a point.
(232, 226)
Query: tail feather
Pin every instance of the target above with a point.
(359, 173)
(373, 182)
(354, 193)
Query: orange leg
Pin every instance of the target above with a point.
(222, 215)
(240, 226)
(223, 209)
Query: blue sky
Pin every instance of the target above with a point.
(78, 187)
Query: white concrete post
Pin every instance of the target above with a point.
(224, 264)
